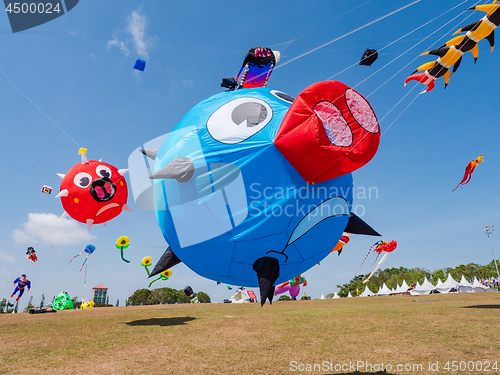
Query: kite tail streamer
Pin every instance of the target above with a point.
(84, 265)
(85, 278)
(376, 268)
(76, 256)
(374, 245)
(375, 261)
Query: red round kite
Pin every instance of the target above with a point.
(93, 192)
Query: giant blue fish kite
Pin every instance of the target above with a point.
(253, 187)
(450, 53)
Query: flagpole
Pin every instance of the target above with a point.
(488, 229)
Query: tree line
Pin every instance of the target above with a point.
(162, 296)
(392, 277)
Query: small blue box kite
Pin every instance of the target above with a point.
(140, 65)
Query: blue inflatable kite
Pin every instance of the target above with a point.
(253, 187)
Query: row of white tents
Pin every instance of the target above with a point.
(449, 286)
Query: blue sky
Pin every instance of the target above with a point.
(78, 70)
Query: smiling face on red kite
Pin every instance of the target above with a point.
(94, 192)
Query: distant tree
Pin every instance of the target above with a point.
(162, 296)
(330, 295)
(76, 303)
(42, 302)
(140, 297)
(3, 305)
(16, 307)
(393, 277)
(204, 297)
(181, 297)
(284, 297)
(8, 311)
(30, 306)
(117, 302)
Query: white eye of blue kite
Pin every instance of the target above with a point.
(281, 95)
(239, 120)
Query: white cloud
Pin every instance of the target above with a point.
(6, 258)
(51, 229)
(72, 32)
(136, 26)
(116, 43)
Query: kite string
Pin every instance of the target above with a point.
(319, 27)
(398, 73)
(392, 123)
(397, 40)
(347, 34)
(37, 107)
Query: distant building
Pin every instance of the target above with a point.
(99, 294)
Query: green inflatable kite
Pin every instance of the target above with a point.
(62, 302)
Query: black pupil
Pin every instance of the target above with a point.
(254, 113)
(104, 173)
(84, 181)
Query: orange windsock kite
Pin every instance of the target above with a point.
(468, 171)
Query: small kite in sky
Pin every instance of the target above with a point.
(344, 240)
(89, 249)
(140, 65)
(468, 171)
(31, 254)
(379, 246)
(369, 57)
(122, 243)
(257, 67)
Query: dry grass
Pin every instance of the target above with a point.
(248, 339)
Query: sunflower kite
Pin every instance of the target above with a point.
(122, 243)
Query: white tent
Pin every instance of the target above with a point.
(438, 284)
(403, 288)
(349, 295)
(335, 295)
(478, 287)
(367, 292)
(449, 285)
(322, 297)
(465, 286)
(384, 291)
(425, 288)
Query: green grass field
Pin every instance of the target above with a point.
(247, 339)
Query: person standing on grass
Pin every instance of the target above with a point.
(21, 282)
